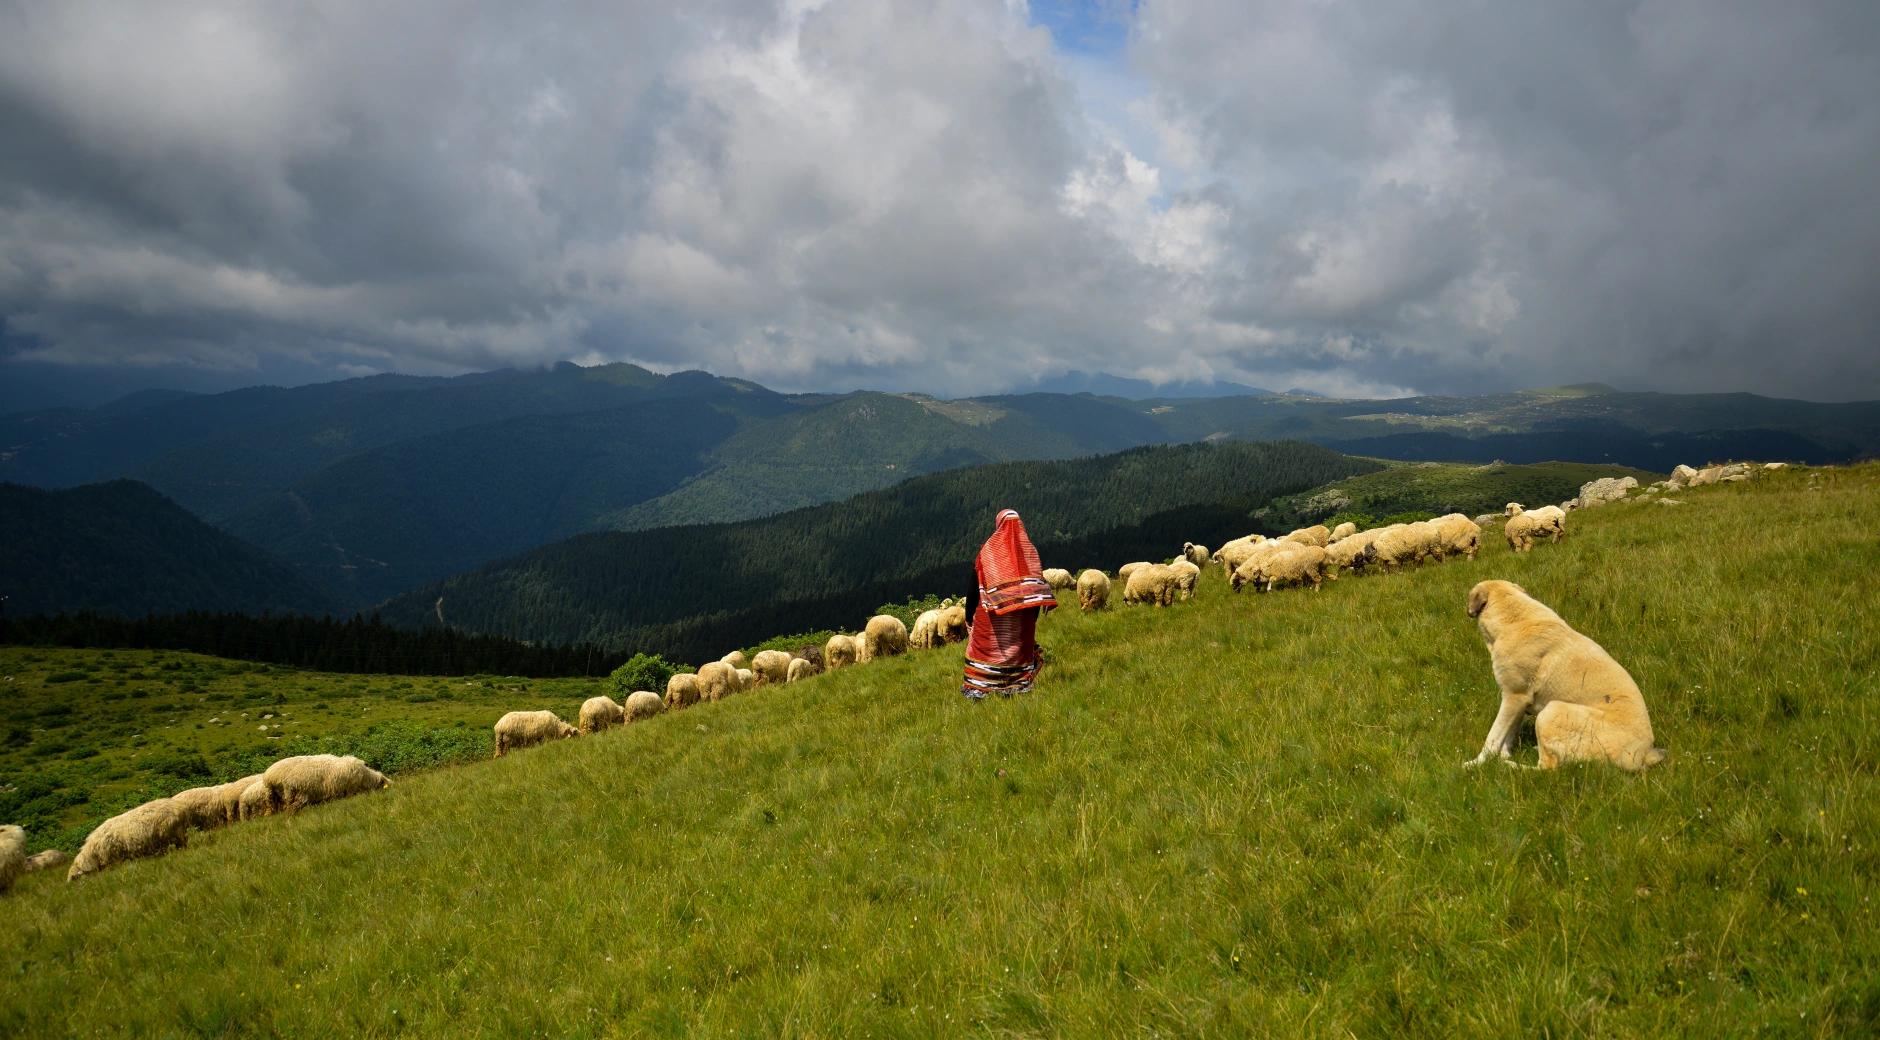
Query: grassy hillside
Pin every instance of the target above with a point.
(685, 591)
(1240, 816)
(122, 548)
(1439, 488)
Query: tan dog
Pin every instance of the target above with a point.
(1587, 709)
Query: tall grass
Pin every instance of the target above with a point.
(1239, 816)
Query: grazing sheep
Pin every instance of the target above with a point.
(599, 713)
(295, 783)
(1522, 530)
(925, 634)
(884, 636)
(1556, 518)
(1235, 553)
(519, 729)
(229, 798)
(1186, 574)
(1454, 534)
(148, 830)
(1093, 590)
(716, 681)
(938, 627)
(1352, 552)
(1251, 562)
(801, 668)
(771, 666)
(1151, 583)
(839, 652)
(682, 691)
(1342, 532)
(1058, 578)
(202, 807)
(735, 659)
(642, 704)
(1586, 707)
(1399, 545)
(746, 679)
(1314, 535)
(12, 854)
(46, 859)
(1303, 565)
(1196, 554)
(1127, 569)
(252, 803)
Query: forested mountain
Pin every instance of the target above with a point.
(683, 591)
(373, 486)
(122, 548)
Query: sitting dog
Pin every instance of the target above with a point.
(1586, 708)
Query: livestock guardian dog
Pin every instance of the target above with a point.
(1587, 709)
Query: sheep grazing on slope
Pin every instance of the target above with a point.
(1522, 530)
(148, 830)
(1342, 532)
(252, 803)
(746, 679)
(1153, 583)
(1304, 565)
(519, 729)
(12, 854)
(46, 859)
(201, 807)
(1400, 545)
(735, 659)
(1127, 569)
(884, 636)
(229, 796)
(771, 666)
(839, 651)
(1351, 551)
(1317, 535)
(642, 704)
(801, 668)
(716, 681)
(599, 713)
(1453, 535)
(1235, 553)
(1093, 590)
(1058, 578)
(1186, 574)
(295, 783)
(1196, 554)
(682, 690)
(1254, 559)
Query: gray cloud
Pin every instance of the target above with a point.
(1440, 196)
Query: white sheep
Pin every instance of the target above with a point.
(839, 651)
(1235, 553)
(746, 679)
(46, 859)
(202, 807)
(599, 713)
(1350, 551)
(1058, 578)
(717, 680)
(735, 659)
(1196, 554)
(1153, 583)
(642, 704)
(1317, 535)
(1253, 561)
(771, 667)
(148, 830)
(1342, 532)
(252, 803)
(1093, 590)
(1400, 545)
(295, 783)
(1186, 575)
(1454, 534)
(682, 691)
(12, 854)
(1305, 564)
(1127, 569)
(801, 668)
(884, 636)
(519, 729)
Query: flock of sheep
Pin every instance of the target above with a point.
(1303, 557)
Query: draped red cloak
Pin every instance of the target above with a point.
(1002, 652)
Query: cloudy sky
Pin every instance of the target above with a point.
(954, 195)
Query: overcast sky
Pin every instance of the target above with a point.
(955, 196)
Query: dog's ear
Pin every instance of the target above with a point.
(1478, 599)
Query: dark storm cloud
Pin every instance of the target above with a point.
(1439, 196)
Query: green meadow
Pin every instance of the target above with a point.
(1240, 816)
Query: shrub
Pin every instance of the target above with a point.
(1408, 517)
(1365, 521)
(644, 672)
(66, 677)
(911, 611)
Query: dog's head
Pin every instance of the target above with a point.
(1485, 591)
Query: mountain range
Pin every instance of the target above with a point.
(371, 487)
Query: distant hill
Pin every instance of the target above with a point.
(371, 487)
(1103, 384)
(682, 591)
(122, 548)
(1438, 488)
